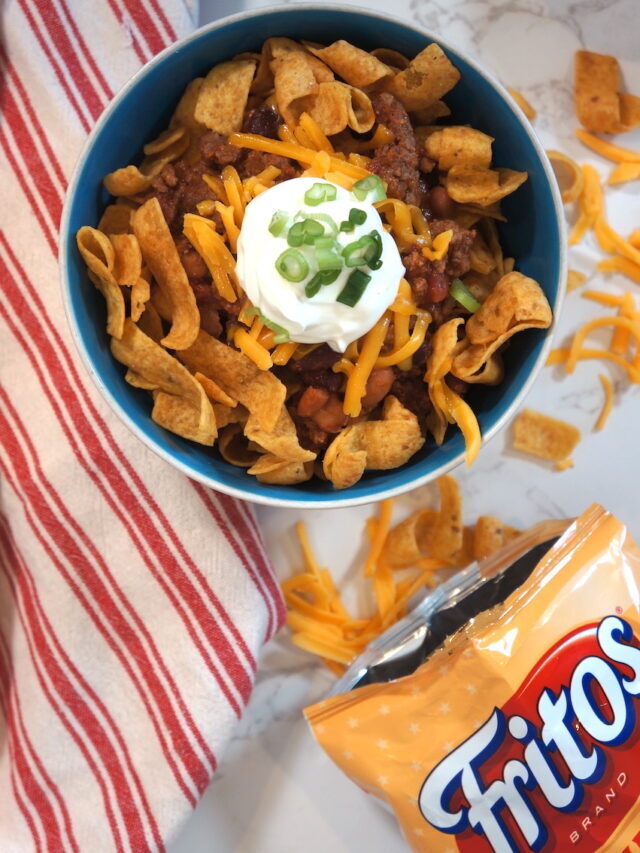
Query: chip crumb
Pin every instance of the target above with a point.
(575, 280)
(545, 437)
(564, 464)
(523, 103)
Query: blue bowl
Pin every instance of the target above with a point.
(533, 234)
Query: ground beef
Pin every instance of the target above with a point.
(319, 359)
(310, 436)
(179, 188)
(411, 390)
(326, 379)
(264, 121)
(427, 278)
(397, 163)
(216, 151)
(256, 161)
(206, 300)
(459, 254)
(430, 280)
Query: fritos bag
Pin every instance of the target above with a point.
(522, 731)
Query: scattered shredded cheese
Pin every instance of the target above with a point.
(607, 406)
(624, 172)
(608, 149)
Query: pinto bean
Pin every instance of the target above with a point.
(330, 417)
(378, 386)
(311, 401)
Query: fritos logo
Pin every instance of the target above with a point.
(556, 768)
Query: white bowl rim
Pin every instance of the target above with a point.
(340, 500)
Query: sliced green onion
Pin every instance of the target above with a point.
(319, 280)
(328, 254)
(307, 229)
(370, 188)
(278, 221)
(292, 265)
(347, 226)
(367, 250)
(461, 293)
(330, 223)
(328, 259)
(296, 234)
(312, 230)
(318, 193)
(281, 335)
(357, 216)
(354, 253)
(354, 288)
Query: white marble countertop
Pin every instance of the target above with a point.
(276, 792)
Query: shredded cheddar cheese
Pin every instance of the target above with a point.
(283, 352)
(215, 183)
(564, 464)
(591, 204)
(235, 192)
(228, 221)
(439, 246)
(411, 345)
(357, 381)
(252, 349)
(317, 138)
(607, 406)
(293, 151)
(319, 621)
(620, 337)
(624, 172)
(597, 323)
(208, 243)
(560, 356)
(406, 226)
(379, 535)
(608, 149)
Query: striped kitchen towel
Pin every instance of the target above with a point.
(133, 602)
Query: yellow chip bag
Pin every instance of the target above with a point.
(520, 731)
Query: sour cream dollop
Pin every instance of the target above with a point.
(320, 318)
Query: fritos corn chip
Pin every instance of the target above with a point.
(516, 303)
(223, 94)
(99, 256)
(520, 733)
(161, 256)
(540, 435)
(353, 65)
(428, 77)
(599, 104)
(459, 146)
